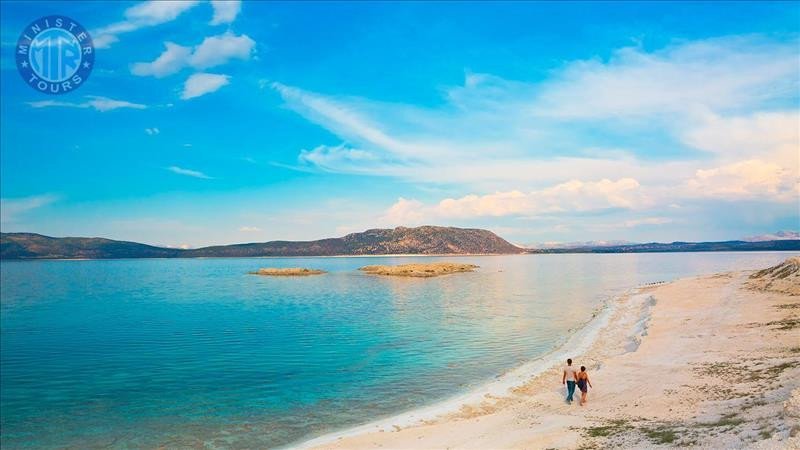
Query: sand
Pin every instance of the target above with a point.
(419, 270)
(781, 278)
(709, 362)
(288, 272)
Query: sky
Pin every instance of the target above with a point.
(224, 122)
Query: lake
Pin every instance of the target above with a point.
(192, 352)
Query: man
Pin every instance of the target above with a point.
(569, 378)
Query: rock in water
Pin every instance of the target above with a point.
(419, 270)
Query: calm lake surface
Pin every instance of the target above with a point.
(192, 352)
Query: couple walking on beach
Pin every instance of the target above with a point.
(572, 377)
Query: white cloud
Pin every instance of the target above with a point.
(654, 117)
(152, 131)
(647, 221)
(188, 172)
(572, 196)
(337, 159)
(141, 15)
(745, 71)
(405, 212)
(203, 83)
(248, 229)
(757, 155)
(158, 12)
(745, 179)
(345, 120)
(173, 59)
(212, 52)
(101, 104)
(12, 208)
(104, 40)
(217, 50)
(773, 134)
(225, 11)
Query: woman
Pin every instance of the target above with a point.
(583, 381)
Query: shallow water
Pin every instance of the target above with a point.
(186, 352)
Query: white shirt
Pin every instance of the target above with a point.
(571, 373)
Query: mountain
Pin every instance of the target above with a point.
(779, 236)
(425, 240)
(31, 245)
(653, 247)
(579, 244)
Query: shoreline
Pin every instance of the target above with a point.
(524, 407)
(579, 341)
(395, 255)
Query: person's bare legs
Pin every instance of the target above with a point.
(583, 398)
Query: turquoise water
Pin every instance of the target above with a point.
(187, 353)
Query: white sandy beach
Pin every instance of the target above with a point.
(711, 361)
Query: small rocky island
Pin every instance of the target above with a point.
(287, 272)
(419, 270)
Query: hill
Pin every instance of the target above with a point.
(425, 240)
(37, 246)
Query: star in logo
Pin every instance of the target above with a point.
(24, 64)
(86, 64)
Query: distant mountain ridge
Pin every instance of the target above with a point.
(769, 241)
(424, 240)
(657, 247)
(578, 244)
(778, 236)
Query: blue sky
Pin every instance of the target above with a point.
(220, 122)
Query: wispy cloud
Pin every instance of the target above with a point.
(11, 209)
(213, 51)
(174, 58)
(142, 15)
(248, 229)
(201, 84)
(188, 172)
(647, 221)
(508, 145)
(225, 11)
(746, 71)
(101, 104)
(152, 131)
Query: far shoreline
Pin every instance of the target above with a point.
(399, 255)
